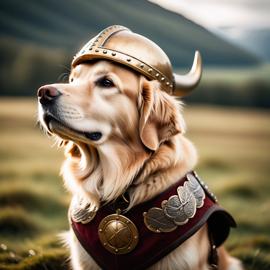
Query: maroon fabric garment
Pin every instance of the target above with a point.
(153, 246)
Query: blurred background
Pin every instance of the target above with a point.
(227, 115)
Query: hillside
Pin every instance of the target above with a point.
(39, 38)
(68, 24)
(256, 41)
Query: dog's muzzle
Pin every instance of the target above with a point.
(47, 97)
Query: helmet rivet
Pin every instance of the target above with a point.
(167, 83)
(162, 79)
(141, 65)
(171, 86)
(113, 54)
(104, 51)
(157, 75)
(96, 50)
(128, 59)
(150, 70)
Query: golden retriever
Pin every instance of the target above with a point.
(120, 130)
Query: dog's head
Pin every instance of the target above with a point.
(116, 111)
(113, 119)
(105, 101)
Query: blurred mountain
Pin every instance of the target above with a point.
(68, 24)
(39, 38)
(255, 40)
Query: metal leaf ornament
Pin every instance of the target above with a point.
(196, 189)
(182, 207)
(178, 209)
(156, 221)
(82, 211)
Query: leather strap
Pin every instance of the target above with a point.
(213, 255)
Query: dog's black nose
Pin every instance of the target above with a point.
(47, 94)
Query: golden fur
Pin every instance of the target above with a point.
(142, 148)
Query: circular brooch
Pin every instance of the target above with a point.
(118, 234)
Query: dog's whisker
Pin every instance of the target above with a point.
(65, 67)
(63, 77)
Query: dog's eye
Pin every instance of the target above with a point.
(105, 82)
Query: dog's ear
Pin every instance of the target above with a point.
(160, 117)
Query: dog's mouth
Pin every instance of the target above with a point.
(56, 126)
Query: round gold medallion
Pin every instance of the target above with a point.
(118, 234)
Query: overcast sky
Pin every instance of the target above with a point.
(235, 16)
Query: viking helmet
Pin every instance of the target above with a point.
(119, 44)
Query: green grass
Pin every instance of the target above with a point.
(234, 154)
(233, 146)
(239, 87)
(237, 75)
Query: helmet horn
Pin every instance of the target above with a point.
(185, 83)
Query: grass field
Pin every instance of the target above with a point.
(234, 149)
